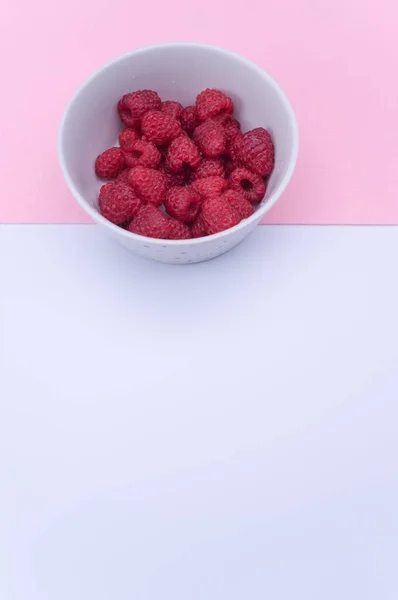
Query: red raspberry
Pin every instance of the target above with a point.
(210, 138)
(213, 102)
(255, 150)
(151, 222)
(123, 177)
(178, 230)
(218, 215)
(172, 109)
(210, 186)
(209, 167)
(251, 185)
(182, 152)
(148, 184)
(118, 202)
(189, 119)
(143, 154)
(159, 128)
(231, 129)
(229, 166)
(198, 228)
(110, 163)
(128, 138)
(182, 203)
(173, 179)
(133, 106)
(239, 202)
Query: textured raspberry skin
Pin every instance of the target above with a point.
(110, 163)
(182, 152)
(198, 228)
(159, 128)
(218, 215)
(150, 185)
(132, 107)
(242, 206)
(127, 139)
(232, 129)
(210, 138)
(144, 154)
(251, 185)
(118, 203)
(174, 179)
(123, 177)
(183, 203)
(209, 167)
(189, 119)
(210, 103)
(172, 109)
(150, 222)
(178, 230)
(210, 186)
(255, 149)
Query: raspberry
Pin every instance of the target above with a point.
(182, 203)
(172, 109)
(159, 128)
(210, 186)
(231, 129)
(143, 154)
(123, 177)
(133, 106)
(198, 228)
(189, 119)
(178, 230)
(229, 166)
(182, 152)
(148, 184)
(110, 163)
(210, 138)
(213, 102)
(239, 202)
(173, 179)
(209, 167)
(255, 150)
(151, 222)
(218, 215)
(251, 185)
(127, 139)
(118, 202)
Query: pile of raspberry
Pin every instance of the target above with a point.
(182, 173)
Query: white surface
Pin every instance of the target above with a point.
(176, 72)
(222, 431)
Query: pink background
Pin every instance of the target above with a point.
(336, 59)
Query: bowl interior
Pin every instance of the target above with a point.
(176, 72)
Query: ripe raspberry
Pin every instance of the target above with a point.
(210, 186)
(148, 184)
(128, 138)
(255, 150)
(143, 154)
(123, 177)
(198, 228)
(213, 102)
(133, 106)
(189, 119)
(231, 129)
(159, 128)
(178, 230)
(151, 222)
(218, 215)
(182, 152)
(251, 185)
(172, 109)
(210, 138)
(239, 202)
(182, 203)
(118, 202)
(110, 163)
(209, 167)
(173, 179)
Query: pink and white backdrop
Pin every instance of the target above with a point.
(336, 59)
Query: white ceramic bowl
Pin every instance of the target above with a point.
(90, 124)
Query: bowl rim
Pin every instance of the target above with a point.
(258, 213)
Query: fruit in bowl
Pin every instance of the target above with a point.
(192, 145)
(202, 169)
